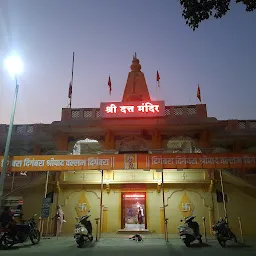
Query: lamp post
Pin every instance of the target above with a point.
(14, 66)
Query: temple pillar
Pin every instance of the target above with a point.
(236, 147)
(205, 140)
(109, 143)
(62, 142)
(156, 140)
(37, 149)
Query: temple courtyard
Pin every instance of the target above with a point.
(124, 246)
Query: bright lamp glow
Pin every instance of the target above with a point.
(14, 65)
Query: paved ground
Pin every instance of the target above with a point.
(66, 246)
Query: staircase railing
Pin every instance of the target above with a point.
(26, 184)
(234, 172)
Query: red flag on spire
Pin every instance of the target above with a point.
(70, 90)
(199, 93)
(109, 85)
(158, 78)
(71, 82)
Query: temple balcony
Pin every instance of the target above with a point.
(180, 112)
(241, 125)
(26, 137)
(69, 114)
(24, 129)
(183, 113)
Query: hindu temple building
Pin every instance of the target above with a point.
(142, 146)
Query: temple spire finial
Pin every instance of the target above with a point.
(135, 63)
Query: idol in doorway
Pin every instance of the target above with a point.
(140, 216)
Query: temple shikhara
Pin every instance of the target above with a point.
(135, 156)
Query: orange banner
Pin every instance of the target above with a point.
(197, 161)
(129, 161)
(64, 163)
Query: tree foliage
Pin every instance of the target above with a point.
(196, 11)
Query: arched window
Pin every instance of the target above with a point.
(182, 145)
(133, 144)
(87, 147)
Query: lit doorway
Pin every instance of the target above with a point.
(134, 211)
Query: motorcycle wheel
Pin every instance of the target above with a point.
(91, 238)
(35, 237)
(187, 243)
(4, 242)
(234, 238)
(222, 242)
(80, 244)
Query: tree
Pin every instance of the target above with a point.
(196, 11)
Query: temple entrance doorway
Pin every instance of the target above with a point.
(134, 211)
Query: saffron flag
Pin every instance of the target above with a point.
(109, 85)
(158, 78)
(199, 93)
(70, 90)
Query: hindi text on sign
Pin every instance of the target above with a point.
(148, 107)
(144, 107)
(141, 161)
(202, 160)
(132, 109)
(111, 109)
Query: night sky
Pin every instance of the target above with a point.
(104, 34)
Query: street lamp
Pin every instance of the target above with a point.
(14, 66)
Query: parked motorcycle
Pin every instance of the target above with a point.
(223, 233)
(189, 231)
(24, 230)
(83, 230)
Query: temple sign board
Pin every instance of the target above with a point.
(132, 109)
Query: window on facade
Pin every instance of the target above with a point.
(182, 145)
(87, 147)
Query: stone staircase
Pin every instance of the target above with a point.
(242, 182)
(16, 183)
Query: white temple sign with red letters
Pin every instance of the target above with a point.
(132, 109)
